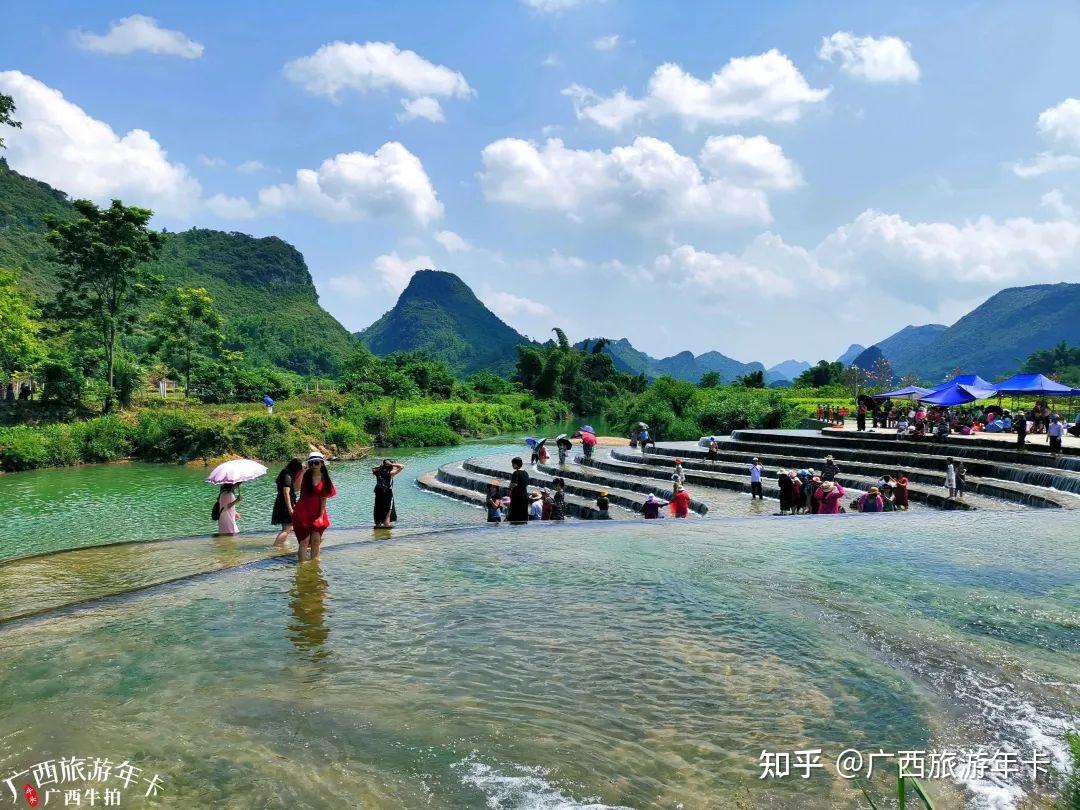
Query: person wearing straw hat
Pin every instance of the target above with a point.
(871, 501)
(829, 495)
(830, 470)
(310, 518)
(602, 505)
(536, 506)
(680, 502)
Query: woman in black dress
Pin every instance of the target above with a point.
(285, 500)
(519, 493)
(385, 512)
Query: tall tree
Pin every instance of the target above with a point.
(103, 278)
(7, 107)
(185, 329)
(752, 379)
(19, 346)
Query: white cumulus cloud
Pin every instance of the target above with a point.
(424, 107)
(645, 183)
(340, 66)
(606, 43)
(355, 185)
(1046, 163)
(211, 162)
(1061, 123)
(452, 243)
(755, 161)
(508, 305)
(764, 87)
(395, 271)
(701, 270)
(140, 33)
(983, 254)
(64, 146)
(227, 207)
(872, 59)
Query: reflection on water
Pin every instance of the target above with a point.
(307, 600)
(636, 664)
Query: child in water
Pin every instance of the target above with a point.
(602, 505)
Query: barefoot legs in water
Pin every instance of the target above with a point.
(303, 549)
(316, 541)
(283, 535)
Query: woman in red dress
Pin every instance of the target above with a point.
(310, 519)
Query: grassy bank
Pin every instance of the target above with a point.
(179, 431)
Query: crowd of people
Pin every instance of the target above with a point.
(303, 489)
(940, 422)
(818, 492)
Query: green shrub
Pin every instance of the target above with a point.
(420, 431)
(175, 436)
(106, 438)
(22, 448)
(267, 437)
(62, 445)
(344, 435)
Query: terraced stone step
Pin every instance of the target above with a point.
(735, 455)
(455, 475)
(629, 487)
(1036, 456)
(621, 493)
(613, 462)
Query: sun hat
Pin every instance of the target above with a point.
(828, 486)
(828, 458)
(651, 499)
(535, 496)
(315, 455)
(873, 491)
(678, 461)
(603, 493)
(755, 458)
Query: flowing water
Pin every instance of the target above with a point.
(455, 664)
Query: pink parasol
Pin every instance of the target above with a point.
(236, 471)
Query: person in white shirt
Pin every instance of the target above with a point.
(755, 480)
(1054, 433)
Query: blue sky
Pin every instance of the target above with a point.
(768, 180)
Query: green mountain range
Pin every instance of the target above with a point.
(438, 314)
(261, 286)
(996, 337)
(682, 366)
(905, 349)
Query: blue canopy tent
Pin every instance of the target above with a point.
(973, 380)
(912, 392)
(1021, 384)
(958, 394)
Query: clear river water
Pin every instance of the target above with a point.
(452, 664)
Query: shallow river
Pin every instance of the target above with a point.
(588, 664)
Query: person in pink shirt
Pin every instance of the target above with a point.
(828, 496)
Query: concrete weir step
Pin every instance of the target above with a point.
(925, 470)
(1037, 455)
(621, 492)
(624, 462)
(632, 488)
(455, 476)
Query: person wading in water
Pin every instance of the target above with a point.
(286, 499)
(519, 493)
(310, 519)
(385, 511)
